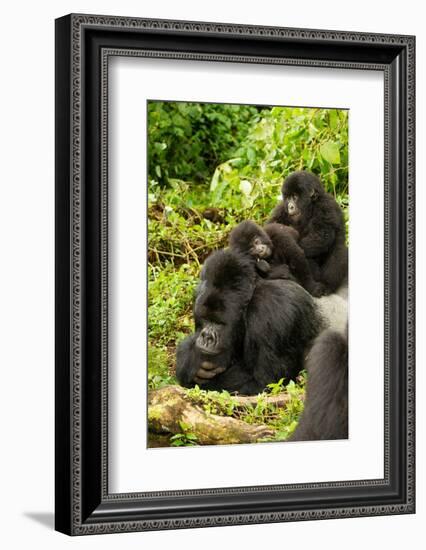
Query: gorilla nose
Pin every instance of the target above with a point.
(290, 208)
(209, 337)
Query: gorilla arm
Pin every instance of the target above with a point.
(317, 241)
(209, 373)
(279, 215)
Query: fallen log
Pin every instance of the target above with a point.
(170, 407)
(242, 401)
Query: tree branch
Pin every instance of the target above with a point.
(170, 406)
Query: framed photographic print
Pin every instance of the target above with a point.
(234, 274)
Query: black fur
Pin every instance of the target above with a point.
(319, 220)
(255, 329)
(326, 404)
(286, 259)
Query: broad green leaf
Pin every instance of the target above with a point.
(330, 152)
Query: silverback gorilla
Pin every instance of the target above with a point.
(249, 331)
(319, 220)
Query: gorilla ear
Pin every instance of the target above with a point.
(313, 195)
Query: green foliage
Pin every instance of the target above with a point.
(282, 419)
(188, 140)
(170, 296)
(213, 402)
(288, 416)
(284, 140)
(276, 388)
(177, 231)
(184, 439)
(158, 372)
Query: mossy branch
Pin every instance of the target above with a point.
(170, 407)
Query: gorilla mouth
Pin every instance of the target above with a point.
(206, 350)
(294, 214)
(263, 251)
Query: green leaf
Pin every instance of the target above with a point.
(330, 152)
(334, 118)
(251, 155)
(245, 187)
(215, 179)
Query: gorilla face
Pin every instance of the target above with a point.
(211, 339)
(292, 206)
(249, 238)
(227, 284)
(260, 248)
(209, 311)
(209, 305)
(300, 191)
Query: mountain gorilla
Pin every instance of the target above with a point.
(275, 250)
(319, 220)
(249, 331)
(326, 403)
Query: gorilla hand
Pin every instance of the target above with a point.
(206, 372)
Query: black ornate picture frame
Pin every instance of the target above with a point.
(84, 44)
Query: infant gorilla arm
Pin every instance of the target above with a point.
(319, 220)
(276, 252)
(249, 331)
(286, 251)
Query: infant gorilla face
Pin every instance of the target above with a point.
(260, 248)
(291, 205)
(299, 191)
(249, 238)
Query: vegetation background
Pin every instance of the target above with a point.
(211, 166)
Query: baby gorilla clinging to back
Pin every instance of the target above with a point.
(276, 252)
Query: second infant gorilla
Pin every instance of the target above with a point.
(276, 252)
(319, 220)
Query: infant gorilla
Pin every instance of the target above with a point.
(319, 221)
(275, 250)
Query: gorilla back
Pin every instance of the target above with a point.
(326, 403)
(249, 331)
